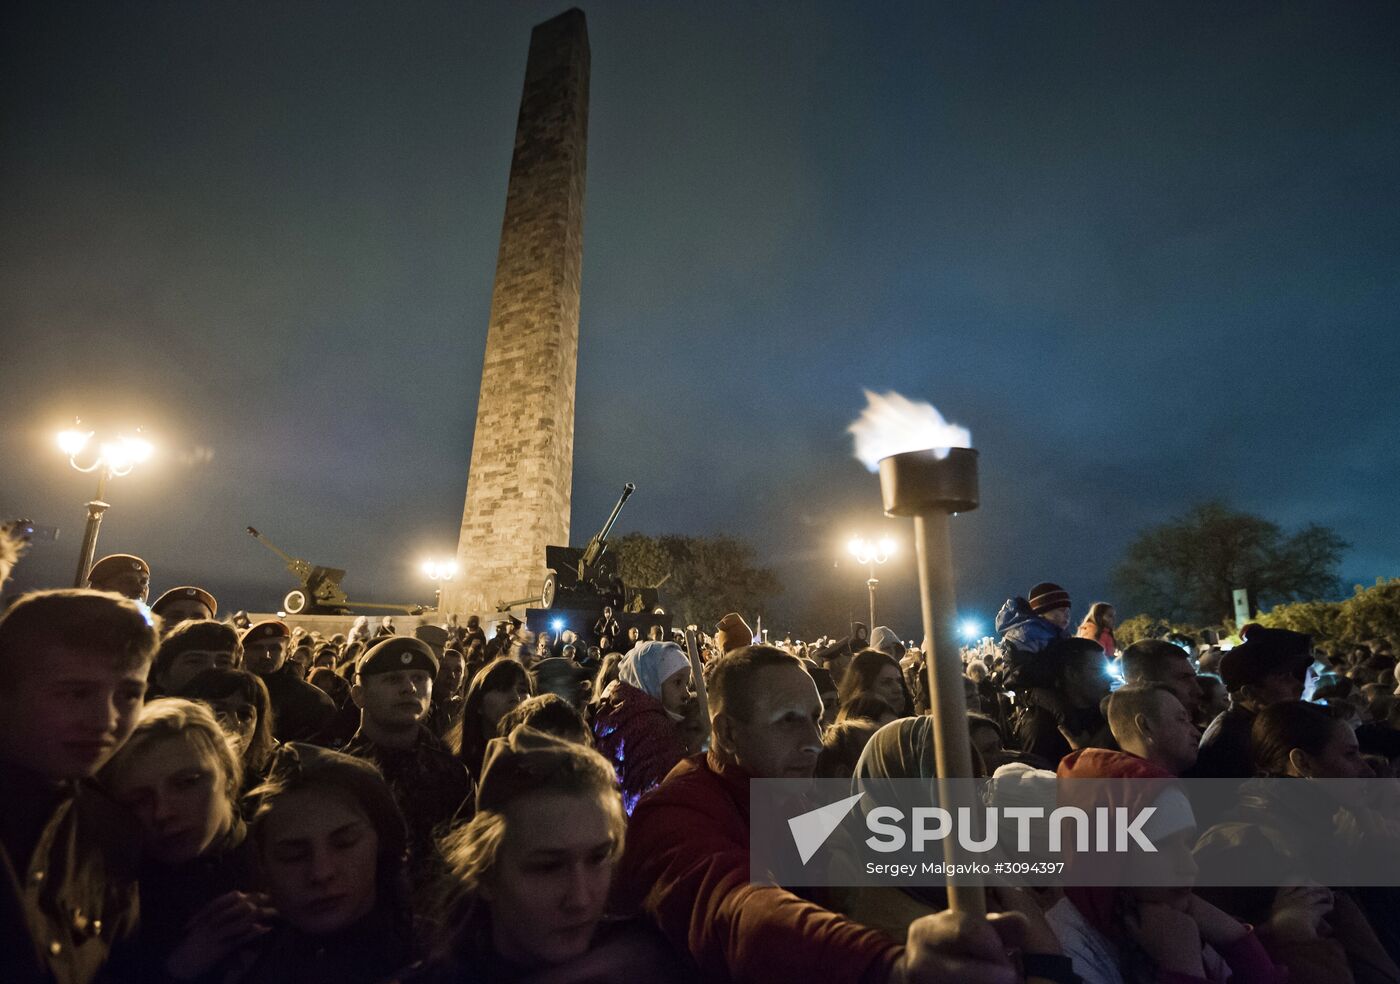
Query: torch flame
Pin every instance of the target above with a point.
(892, 424)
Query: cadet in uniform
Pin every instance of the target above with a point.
(186, 603)
(124, 574)
(393, 689)
(299, 710)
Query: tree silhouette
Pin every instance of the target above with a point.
(1186, 570)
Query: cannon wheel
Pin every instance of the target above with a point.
(296, 602)
(551, 587)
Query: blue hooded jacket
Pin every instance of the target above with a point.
(1023, 633)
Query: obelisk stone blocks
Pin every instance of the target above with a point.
(521, 474)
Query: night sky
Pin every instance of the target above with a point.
(1147, 253)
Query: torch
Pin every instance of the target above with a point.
(929, 472)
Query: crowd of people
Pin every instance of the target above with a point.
(185, 798)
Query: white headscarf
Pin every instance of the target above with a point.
(650, 664)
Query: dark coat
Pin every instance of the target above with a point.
(368, 952)
(622, 952)
(431, 786)
(69, 859)
(300, 712)
(171, 894)
(1226, 749)
(633, 731)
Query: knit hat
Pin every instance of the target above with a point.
(735, 630)
(1046, 597)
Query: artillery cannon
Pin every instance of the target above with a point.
(320, 592)
(581, 581)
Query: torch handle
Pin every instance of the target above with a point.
(951, 744)
(697, 672)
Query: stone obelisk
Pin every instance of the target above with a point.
(521, 477)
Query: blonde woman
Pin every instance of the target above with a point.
(180, 775)
(530, 874)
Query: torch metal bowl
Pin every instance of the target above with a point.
(917, 483)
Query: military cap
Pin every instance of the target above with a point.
(190, 592)
(114, 564)
(397, 653)
(267, 629)
(434, 635)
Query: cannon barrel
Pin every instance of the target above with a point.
(627, 490)
(599, 543)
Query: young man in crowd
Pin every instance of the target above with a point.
(394, 690)
(1151, 724)
(73, 670)
(123, 574)
(449, 693)
(1268, 667)
(1156, 661)
(607, 625)
(686, 863)
(185, 603)
(299, 710)
(473, 631)
(191, 648)
(1062, 703)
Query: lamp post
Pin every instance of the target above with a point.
(112, 459)
(870, 554)
(439, 571)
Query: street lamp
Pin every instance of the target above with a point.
(869, 554)
(110, 459)
(439, 570)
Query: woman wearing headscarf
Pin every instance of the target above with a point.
(637, 724)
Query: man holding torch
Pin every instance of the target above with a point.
(686, 863)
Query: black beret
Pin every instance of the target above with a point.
(397, 653)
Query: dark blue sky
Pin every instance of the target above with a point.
(1148, 253)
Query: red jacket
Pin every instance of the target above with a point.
(633, 731)
(686, 865)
